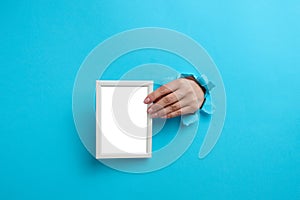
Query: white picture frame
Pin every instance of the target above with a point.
(123, 126)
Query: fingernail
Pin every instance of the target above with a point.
(150, 110)
(147, 100)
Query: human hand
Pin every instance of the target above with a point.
(179, 97)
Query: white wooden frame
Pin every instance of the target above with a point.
(101, 139)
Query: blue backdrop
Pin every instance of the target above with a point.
(256, 46)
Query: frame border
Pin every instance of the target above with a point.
(121, 83)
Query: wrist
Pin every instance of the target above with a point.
(200, 90)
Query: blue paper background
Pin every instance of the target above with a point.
(255, 45)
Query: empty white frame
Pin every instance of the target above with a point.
(123, 126)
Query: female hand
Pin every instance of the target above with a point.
(179, 97)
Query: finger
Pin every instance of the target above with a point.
(161, 91)
(179, 102)
(182, 111)
(163, 102)
(169, 109)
